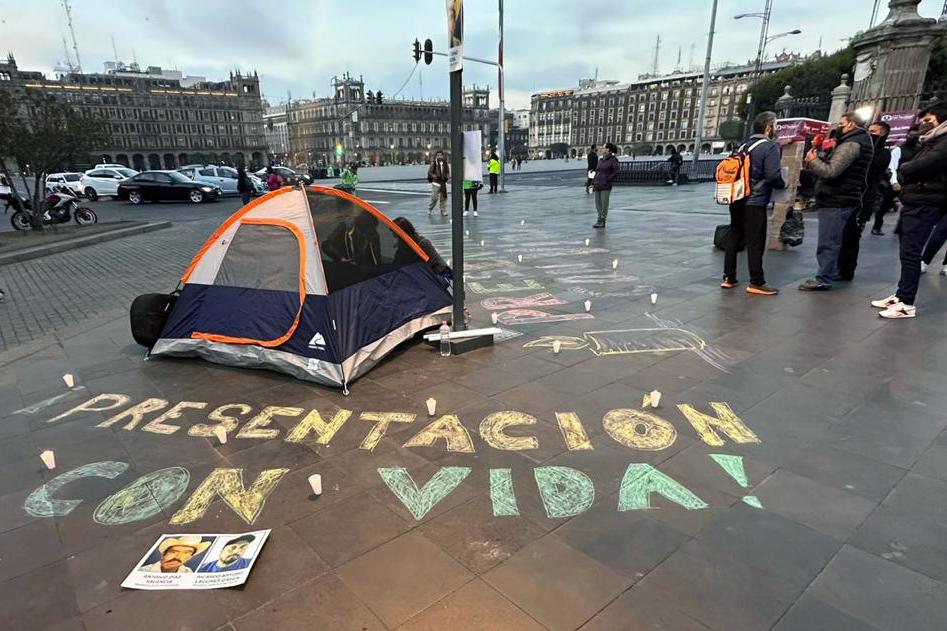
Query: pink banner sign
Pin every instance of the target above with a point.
(900, 122)
(790, 130)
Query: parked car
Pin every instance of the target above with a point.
(157, 186)
(72, 181)
(110, 165)
(223, 176)
(289, 176)
(104, 181)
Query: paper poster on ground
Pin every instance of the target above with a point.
(205, 561)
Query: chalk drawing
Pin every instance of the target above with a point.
(488, 265)
(228, 485)
(382, 420)
(505, 334)
(40, 503)
(639, 429)
(45, 403)
(625, 341)
(115, 401)
(257, 427)
(158, 426)
(641, 480)
(447, 428)
(561, 266)
(565, 491)
(733, 465)
(224, 420)
(420, 501)
(710, 354)
(725, 421)
(534, 316)
(597, 279)
(502, 496)
(536, 300)
(573, 433)
(504, 288)
(313, 423)
(135, 414)
(493, 426)
(147, 496)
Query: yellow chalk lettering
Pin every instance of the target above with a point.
(314, 423)
(116, 400)
(726, 421)
(493, 426)
(228, 484)
(572, 431)
(224, 420)
(639, 429)
(450, 429)
(135, 413)
(382, 420)
(158, 426)
(253, 428)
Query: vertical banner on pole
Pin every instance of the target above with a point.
(473, 156)
(455, 29)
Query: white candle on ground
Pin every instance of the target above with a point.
(221, 434)
(69, 380)
(431, 406)
(48, 458)
(654, 298)
(556, 346)
(588, 305)
(315, 483)
(494, 317)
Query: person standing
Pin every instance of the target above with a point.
(674, 166)
(871, 201)
(438, 174)
(606, 172)
(839, 192)
(493, 168)
(592, 163)
(748, 216)
(349, 176)
(470, 193)
(273, 180)
(244, 185)
(923, 179)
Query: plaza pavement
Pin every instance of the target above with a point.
(826, 513)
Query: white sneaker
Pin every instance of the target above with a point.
(465, 213)
(943, 271)
(898, 311)
(887, 303)
(923, 267)
(476, 214)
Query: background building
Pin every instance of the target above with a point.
(157, 118)
(550, 123)
(355, 124)
(276, 131)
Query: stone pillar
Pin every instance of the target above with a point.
(840, 98)
(784, 104)
(792, 155)
(891, 59)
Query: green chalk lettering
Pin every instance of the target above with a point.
(501, 493)
(752, 500)
(145, 497)
(420, 501)
(565, 491)
(641, 480)
(733, 465)
(40, 502)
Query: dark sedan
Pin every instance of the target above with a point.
(157, 186)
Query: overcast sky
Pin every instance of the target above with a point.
(299, 45)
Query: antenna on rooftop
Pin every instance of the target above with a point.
(657, 56)
(114, 50)
(72, 32)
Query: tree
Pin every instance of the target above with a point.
(732, 130)
(558, 149)
(816, 76)
(47, 134)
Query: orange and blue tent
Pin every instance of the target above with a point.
(312, 282)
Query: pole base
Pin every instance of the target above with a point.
(465, 345)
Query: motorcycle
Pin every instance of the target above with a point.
(60, 206)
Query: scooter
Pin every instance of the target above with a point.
(60, 206)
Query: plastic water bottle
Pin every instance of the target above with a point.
(445, 340)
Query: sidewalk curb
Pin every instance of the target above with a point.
(63, 246)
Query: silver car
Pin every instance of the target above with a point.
(222, 176)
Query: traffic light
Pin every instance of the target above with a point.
(428, 52)
(417, 51)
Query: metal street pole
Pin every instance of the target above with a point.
(705, 84)
(501, 142)
(456, 193)
(757, 67)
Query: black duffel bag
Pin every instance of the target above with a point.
(148, 315)
(793, 230)
(722, 234)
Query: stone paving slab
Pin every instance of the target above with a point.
(820, 505)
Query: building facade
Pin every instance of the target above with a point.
(364, 126)
(650, 115)
(276, 131)
(156, 118)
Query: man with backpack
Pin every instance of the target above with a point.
(842, 182)
(748, 215)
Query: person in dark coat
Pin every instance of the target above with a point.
(675, 160)
(244, 186)
(592, 160)
(606, 172)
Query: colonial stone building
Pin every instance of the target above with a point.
(276, 131)
(550, 122)
(157, 118)
(355, 124)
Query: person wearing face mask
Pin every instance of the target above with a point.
(842, 181)
(923, 180)
(748, 216)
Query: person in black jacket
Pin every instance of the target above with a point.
(244, 185)
(839, 194)
(606, 172)
(923, 179)
(592, 159)
(675, 160)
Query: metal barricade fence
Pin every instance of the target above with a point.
(644, 172)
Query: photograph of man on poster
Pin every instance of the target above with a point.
(174, 553)
(231, 556)
(455, 22)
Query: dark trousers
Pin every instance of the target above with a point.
(493, 182)
(851, 241)
(936, 242)
(917, 222)
(470, 194)
(245, 198)
(747, 224)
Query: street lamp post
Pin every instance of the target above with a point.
(698, 139)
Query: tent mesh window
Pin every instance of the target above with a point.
(354, 244)
(261, 257)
